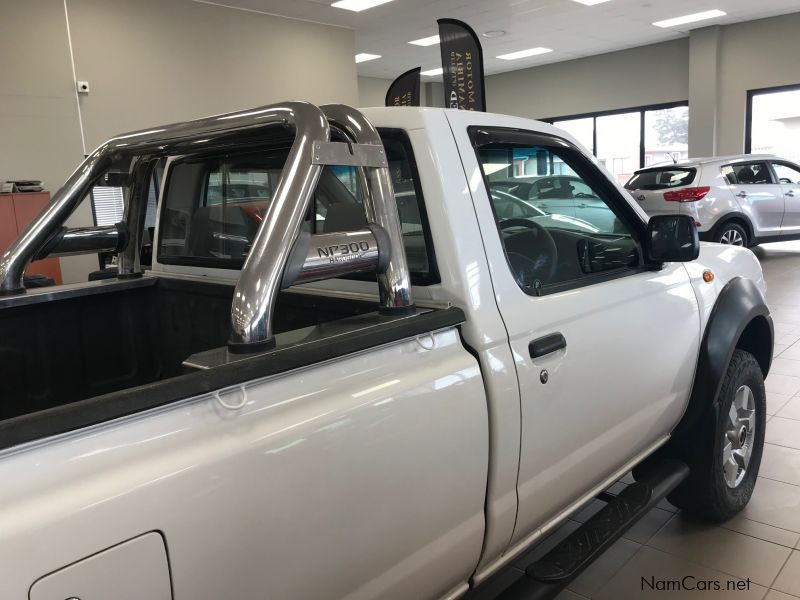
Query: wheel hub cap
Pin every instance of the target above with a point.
(740, 428)
(732, 237)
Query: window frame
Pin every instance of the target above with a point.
(591, 175)
(642, 110)
(234, 265)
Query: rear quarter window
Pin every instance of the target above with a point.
(661, 179)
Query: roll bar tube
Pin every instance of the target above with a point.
(394, 283)
(277, 258)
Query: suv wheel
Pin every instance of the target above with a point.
(731, 233)
(725, 453)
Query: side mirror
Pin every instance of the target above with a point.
(671, 238)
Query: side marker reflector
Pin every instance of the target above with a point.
(708, 276)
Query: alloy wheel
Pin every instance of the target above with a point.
(740, 429)
(732, 237)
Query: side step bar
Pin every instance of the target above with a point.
(545, 578)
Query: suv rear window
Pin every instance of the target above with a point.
(213, 206)
(661, 179)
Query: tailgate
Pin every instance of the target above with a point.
(648, 186)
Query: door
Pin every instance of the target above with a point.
(605, 350)
(788, 176)
(758, 194)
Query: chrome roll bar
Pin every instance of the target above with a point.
(394, 283)
(279, 255)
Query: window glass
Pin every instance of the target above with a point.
(547, 249)
(618, 140)
(786, 174)
(775, 124)
(661, 179)
(214, 207)
(747, 173)
(666, 135)
(581, 129)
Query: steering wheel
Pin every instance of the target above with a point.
(532, 254)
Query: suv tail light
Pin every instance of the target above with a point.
(692, 194)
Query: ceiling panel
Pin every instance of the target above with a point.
(569, 28)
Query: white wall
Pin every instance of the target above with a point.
(148, 62)
(372, 92)
(712, 69)
(646, 75)
(753, 55)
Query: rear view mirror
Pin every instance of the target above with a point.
(672, 238)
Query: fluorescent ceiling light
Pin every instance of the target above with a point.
(590, 2)
(693, 18)
(525, 53)
(365, 56)
(428, 41)
(432, 72)
(358, 5)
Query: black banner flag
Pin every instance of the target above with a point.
(404, 90)
(462, 62)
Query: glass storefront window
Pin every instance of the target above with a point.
(666, 135)
(581, 129)
(618, 144)
(775, 124)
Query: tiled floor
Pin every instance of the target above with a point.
(761, 544)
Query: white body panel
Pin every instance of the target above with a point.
(293, 496)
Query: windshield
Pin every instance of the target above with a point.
(661, 179)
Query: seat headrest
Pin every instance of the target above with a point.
(746, 175)
(345, 216)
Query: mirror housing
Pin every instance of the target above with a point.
(671, 238)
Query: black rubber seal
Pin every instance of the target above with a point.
(250, 347)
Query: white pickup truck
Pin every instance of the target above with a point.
(360, 367)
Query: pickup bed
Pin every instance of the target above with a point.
(363, 363)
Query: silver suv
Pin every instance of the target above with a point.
(742, 200)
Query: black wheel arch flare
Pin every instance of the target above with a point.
(740, 319)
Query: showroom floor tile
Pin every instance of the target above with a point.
(763, 542)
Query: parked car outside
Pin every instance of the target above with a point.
(744, 200)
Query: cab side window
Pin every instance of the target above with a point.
(747, 173)
(552, 251)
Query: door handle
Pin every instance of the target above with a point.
(790, 194)
(547, 345)
(582, 205)
(742, 194)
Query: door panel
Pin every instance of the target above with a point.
(788, 175)
(759, 197)
(622, 379)
(620, 384)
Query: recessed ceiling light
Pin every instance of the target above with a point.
(358, 5)
(590, 2)
(524, 53)
(428, 41)
(693, 18)
(494, 33)
(365, 56)
(432, 72)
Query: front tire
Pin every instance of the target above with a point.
(725, 452)
(732, 234)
